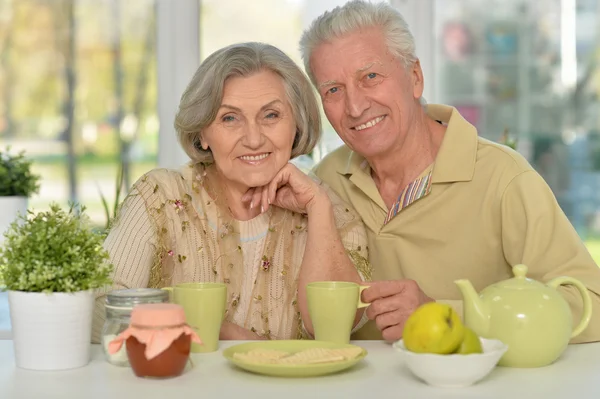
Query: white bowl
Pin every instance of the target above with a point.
(453, 371)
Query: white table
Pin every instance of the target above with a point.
(381, 375)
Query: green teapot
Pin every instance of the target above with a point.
(532, 318)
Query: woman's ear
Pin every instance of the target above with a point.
(200, 144)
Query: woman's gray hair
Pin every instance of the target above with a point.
(356, 15)
(202, 98)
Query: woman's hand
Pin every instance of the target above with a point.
(230, 331)
(290, 189)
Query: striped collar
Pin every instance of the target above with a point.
(414, 191)
(455, 161)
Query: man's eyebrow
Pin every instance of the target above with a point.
(362, 69)
(368, 67)
(365, 67)
(327, 83)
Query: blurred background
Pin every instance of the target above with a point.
(88, 86)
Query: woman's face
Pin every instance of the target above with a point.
(252, 136)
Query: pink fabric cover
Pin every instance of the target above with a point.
(156, 340)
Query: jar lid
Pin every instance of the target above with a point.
(128, 298)
(157, 315)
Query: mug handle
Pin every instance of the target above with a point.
(585, 296)
(362, 304)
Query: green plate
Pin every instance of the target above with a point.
(292, 370)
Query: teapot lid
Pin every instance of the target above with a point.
(520, 281)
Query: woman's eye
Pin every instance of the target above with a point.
(372, 75)
(333, 90)
(228, 118)
(272, 115)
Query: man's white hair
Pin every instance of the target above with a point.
(356, 15)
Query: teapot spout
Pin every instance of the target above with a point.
(475, 312)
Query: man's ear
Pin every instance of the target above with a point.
(417, 79)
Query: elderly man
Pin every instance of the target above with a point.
(439, 202)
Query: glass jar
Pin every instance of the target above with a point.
(158, 341)
(118, 306)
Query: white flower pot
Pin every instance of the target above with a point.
(9, 209)
(51, 331)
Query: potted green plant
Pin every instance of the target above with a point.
(50, 264)
(17, 184)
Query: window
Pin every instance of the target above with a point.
(528, 71)
(78, 94)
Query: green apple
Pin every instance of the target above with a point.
(470, 343)
(433, 328)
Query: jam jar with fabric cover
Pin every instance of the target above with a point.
(158, 340)
(118, 307)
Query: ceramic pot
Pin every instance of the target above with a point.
(51, 331)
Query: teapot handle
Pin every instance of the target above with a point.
(585, 295)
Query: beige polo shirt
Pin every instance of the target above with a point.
(487, 209)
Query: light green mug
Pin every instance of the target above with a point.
(204, 305)
(332, 307)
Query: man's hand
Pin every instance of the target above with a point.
(391, 303)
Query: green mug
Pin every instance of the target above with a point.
(332, 307)
(204, 305)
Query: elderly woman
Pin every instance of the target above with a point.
(239, 212)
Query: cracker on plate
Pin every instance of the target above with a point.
(306, 356)
(312, 356)
(260, 355)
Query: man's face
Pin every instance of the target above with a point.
(370, 98)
